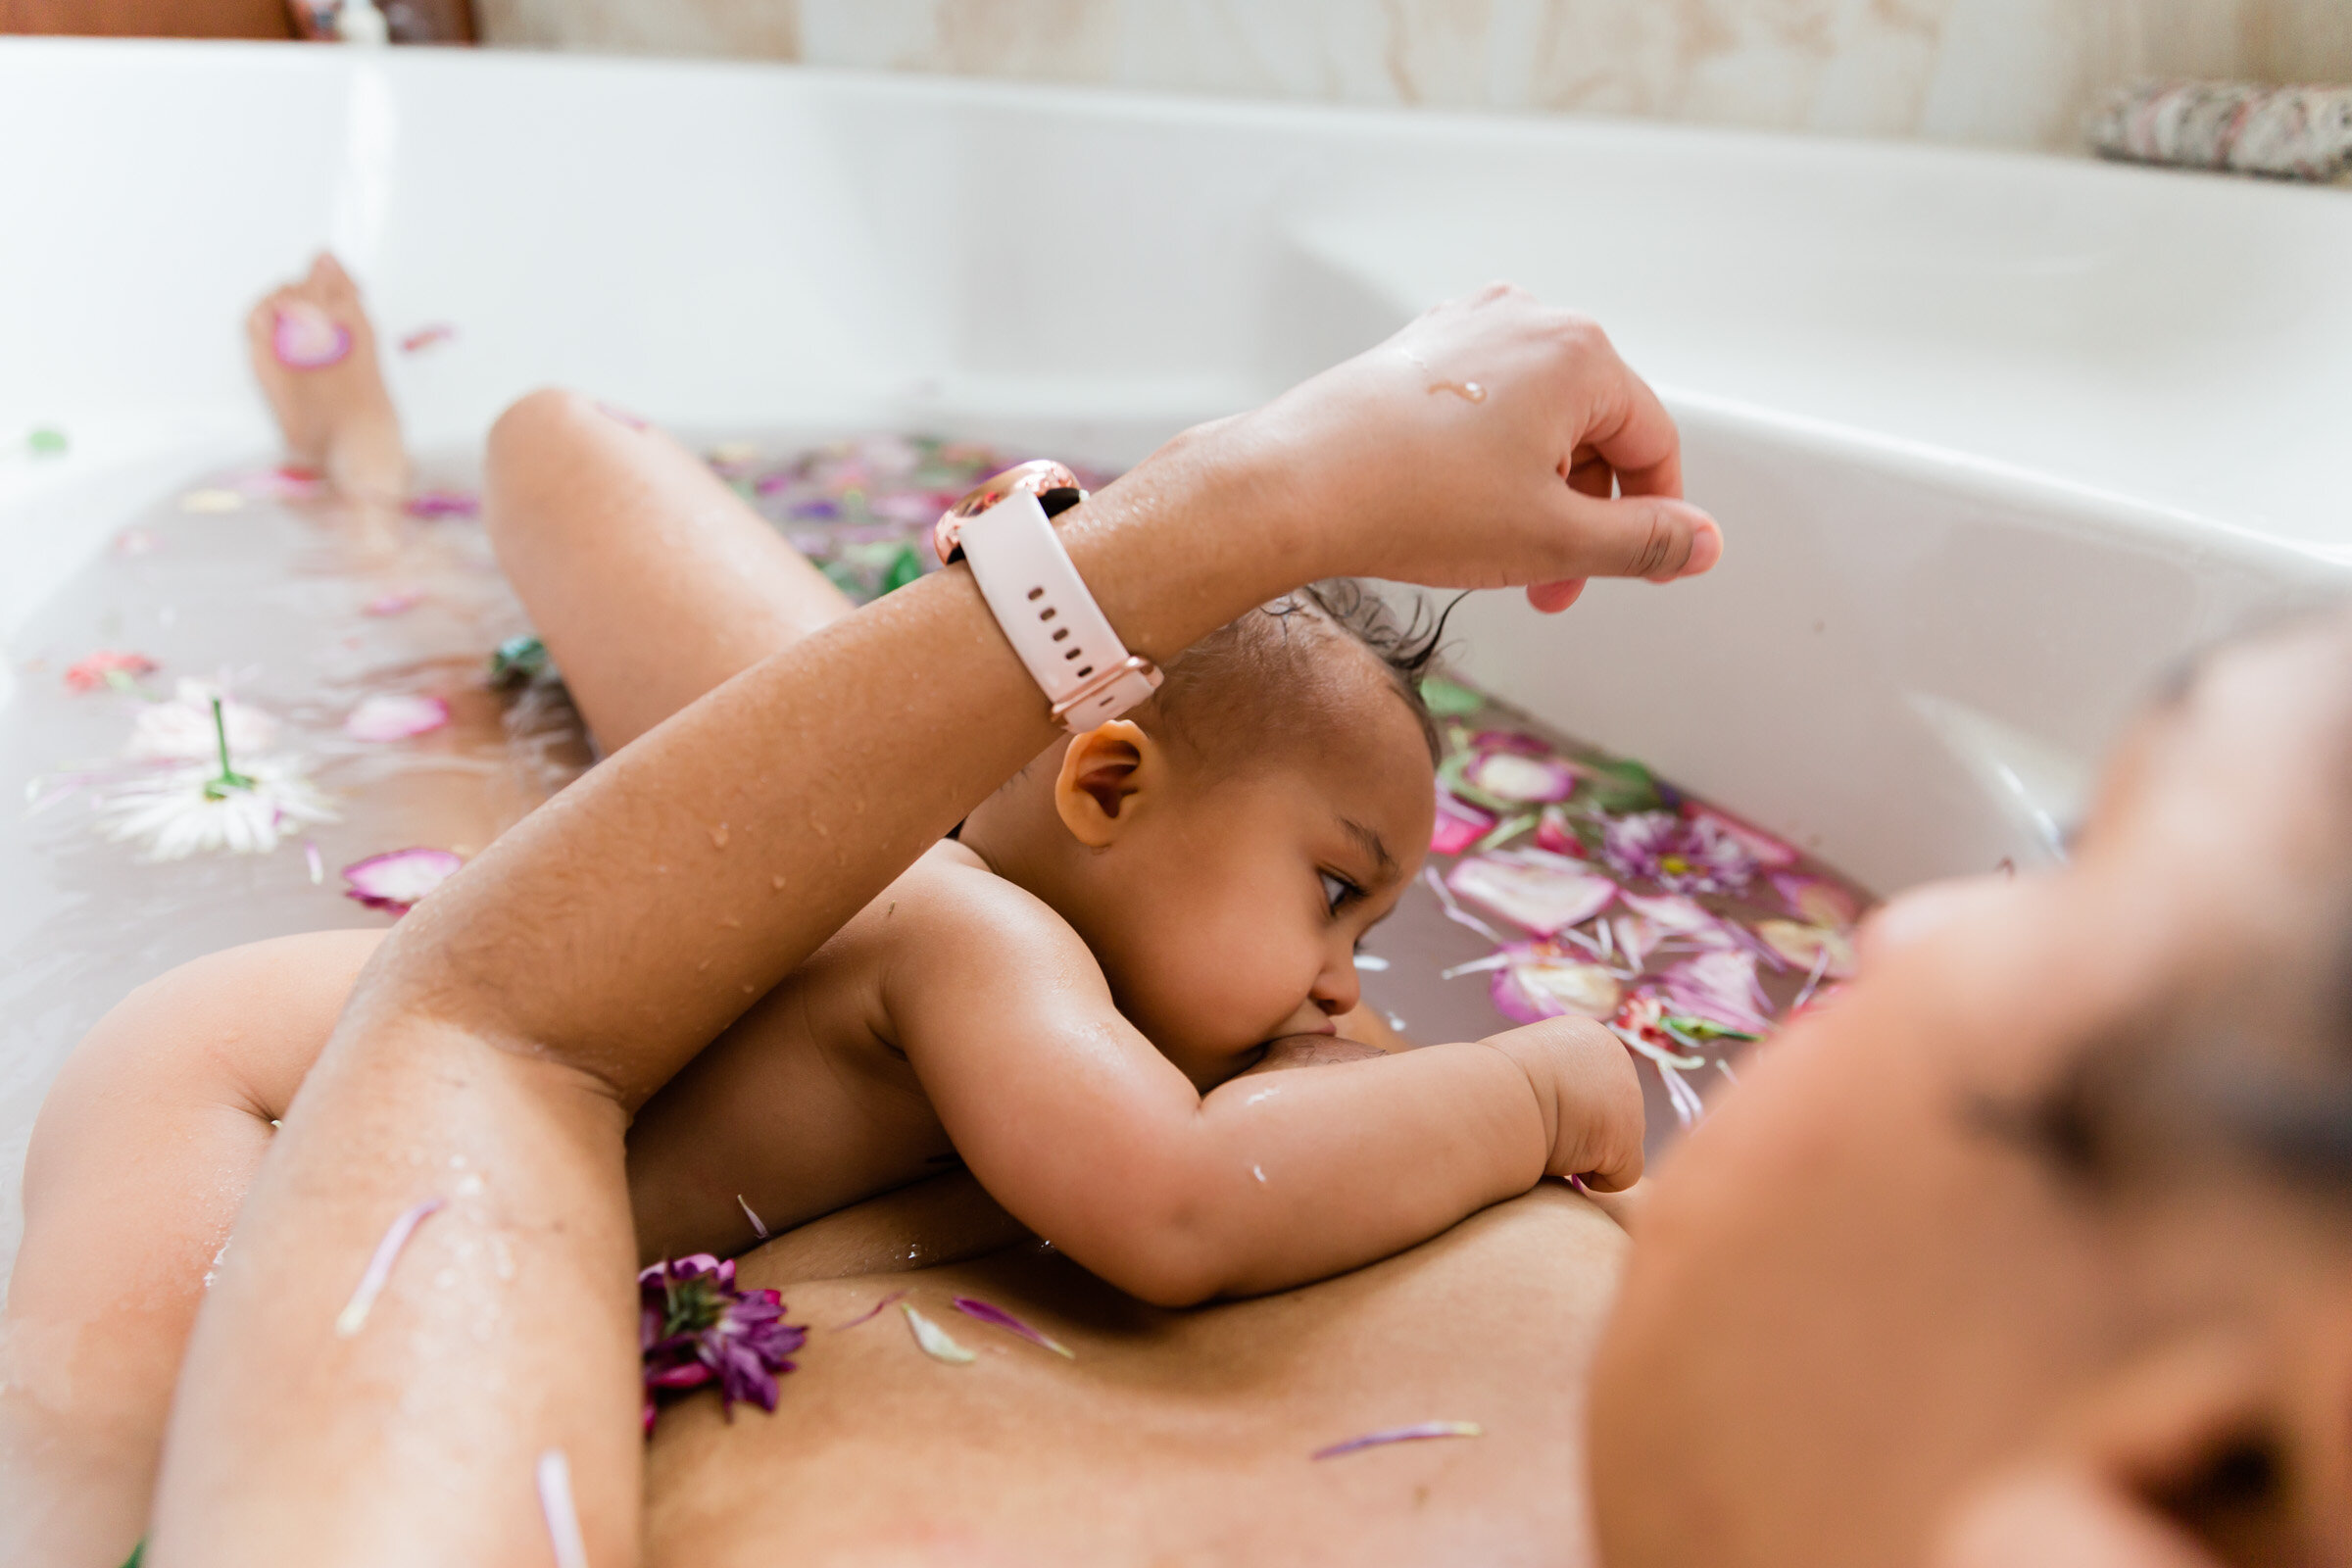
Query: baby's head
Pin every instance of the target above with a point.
(1223, 848)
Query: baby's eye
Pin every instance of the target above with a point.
(1337, 890)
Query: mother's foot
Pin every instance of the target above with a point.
(315, 355)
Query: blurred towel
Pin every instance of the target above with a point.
(2288, 132)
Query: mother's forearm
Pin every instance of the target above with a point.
(626, 923)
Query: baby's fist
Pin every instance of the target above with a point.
(1592, 1101)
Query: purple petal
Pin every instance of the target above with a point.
(1761, 847)
(1416, 1433)
(1538, 890)
(1720, 986)
(305, 338)
(1817, 899)
(395, 716)
(870, 1313)
(395, 881)
(972, 1307)
(444, 504)
(354, 1315)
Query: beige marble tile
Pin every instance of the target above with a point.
(2017, 73)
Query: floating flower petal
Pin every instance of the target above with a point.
(397, 603)
(106, 669)
(1720, 986)
(1818, 899)
(936, 1341)
(971, 1306)
(425, 337)
(1672, 915)
(1519, 778)
(1555, 830)
(1541, 980)
(305, 338)
(443, 503)
(1458, 825)
(553, 1474)
(1419, 1432)
(1809, 947)
(394, 882)
(395, 716)
(1538, 890)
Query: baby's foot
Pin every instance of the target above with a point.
(315, 355)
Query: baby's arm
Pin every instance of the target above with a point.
(1093, 1139)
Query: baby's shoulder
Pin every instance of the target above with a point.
(949, 903)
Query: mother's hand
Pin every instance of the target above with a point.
(1479, 447)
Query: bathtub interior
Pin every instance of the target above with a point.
(1959, 427)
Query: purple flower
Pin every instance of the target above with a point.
(695, 1327)
(1682, 854)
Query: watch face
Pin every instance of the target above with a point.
(1055, 487)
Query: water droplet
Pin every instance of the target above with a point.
(1467, 391)
(469, 1186)
(1258, 1171)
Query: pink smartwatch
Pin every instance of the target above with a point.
(1003, 528)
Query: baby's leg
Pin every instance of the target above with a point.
(138, 1166)
(650, 581)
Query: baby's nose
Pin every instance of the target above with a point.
(1337, 991)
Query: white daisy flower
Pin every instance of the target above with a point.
(197, 808)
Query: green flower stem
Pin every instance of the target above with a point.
(217, 789)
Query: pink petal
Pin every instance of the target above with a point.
(95, 672)
(1809, 947)
(1721, 987)
(620, 416)
(444, 504)
(395, 881)
(1768, 850)
(398, 602)
(1515, 776)
(986, 1313)
(1543, 981)
(395, 716)
(1459, 825)
(870, 1313)
(354, 1315)
(1678, 915)
(1553, 833)
(425, 337)
(306, 338)
(1538, 890)
(1416, 1433)
(1818, 899)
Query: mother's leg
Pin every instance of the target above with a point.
(650, 581)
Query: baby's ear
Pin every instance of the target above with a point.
(1107, 775)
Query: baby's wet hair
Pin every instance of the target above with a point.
(1275, 673)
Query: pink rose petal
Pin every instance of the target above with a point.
(1540, 891)
(105, 667)
(1809, 947)
(1817, 899)
(1459, 825)
(1542, 980)
(398, 602)
(395, 716)
(425, 337)
(1679, 916)
(1720, 986)
(395, 881)
(306, 338)
(1513, 775)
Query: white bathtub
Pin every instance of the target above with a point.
(1994, 438)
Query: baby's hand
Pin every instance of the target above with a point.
(1589, 1096)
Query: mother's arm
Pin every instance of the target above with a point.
(496, 1047)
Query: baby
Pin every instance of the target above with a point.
(1069, 995)
(1062, 993)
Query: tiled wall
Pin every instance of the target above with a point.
(2017, 73)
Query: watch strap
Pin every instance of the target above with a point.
(1050, 617)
